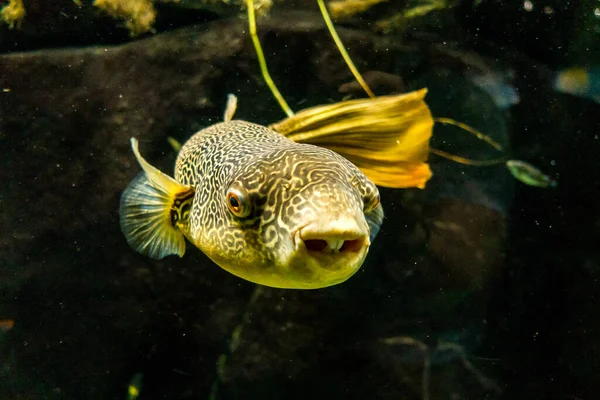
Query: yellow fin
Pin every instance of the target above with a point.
(387, 137)
(152, 209)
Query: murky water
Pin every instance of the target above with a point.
(478, 286)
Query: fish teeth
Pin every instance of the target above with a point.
(335, 245)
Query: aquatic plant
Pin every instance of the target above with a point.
(139, 15)
(13, 13)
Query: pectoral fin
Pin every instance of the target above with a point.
(387, 137)
(153, 208)
(374, 220)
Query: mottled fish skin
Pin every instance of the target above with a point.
(290, 186)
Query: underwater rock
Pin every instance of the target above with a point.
(68, 278)
(76, 291)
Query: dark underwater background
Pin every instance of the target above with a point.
(478, 286)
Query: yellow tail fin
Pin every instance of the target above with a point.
(153, 208)
(387, 137)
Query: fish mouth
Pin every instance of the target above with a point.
(332, 249)
(333, 246)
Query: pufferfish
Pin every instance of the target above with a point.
(263, 207)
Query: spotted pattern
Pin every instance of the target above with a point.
(285, 184)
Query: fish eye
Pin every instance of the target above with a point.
(237, 202)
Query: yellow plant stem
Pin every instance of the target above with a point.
(471, 130)
(467, 161)
(342, 49)
(262, 62)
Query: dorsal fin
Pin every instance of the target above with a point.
(387, 137)
(230, 108)
(153, 209)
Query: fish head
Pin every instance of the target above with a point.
(296, 218)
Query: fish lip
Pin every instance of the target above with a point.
(297, 239)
